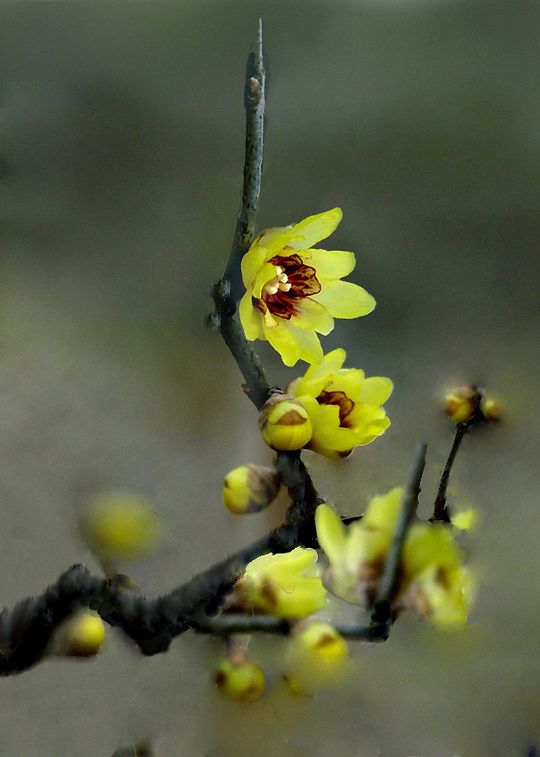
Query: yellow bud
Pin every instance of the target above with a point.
(316, 657)
(461, 403)
(250, 488)
(119, 526)
(284, 423)
(82, 635)
(491, 409)
(242, 681)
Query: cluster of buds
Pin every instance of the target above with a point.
(470, 404)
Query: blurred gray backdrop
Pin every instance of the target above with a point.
(121, 146)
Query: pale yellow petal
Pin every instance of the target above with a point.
(330, 532)
(262, 277)
(330, 264)
(293, 343)
(312, 229)
(250, 318)
(252, 262)
(376, 390)
(345, 300)
(312, 315)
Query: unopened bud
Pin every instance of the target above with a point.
(242, 681)
(462, 403)
(81, 636)
(316, 657)
(491, 409)
(119, 526)
(250, 488)
(284, 423)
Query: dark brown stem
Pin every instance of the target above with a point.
(387, 585)
(441, 510)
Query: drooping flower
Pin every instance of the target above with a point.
(294, 290)
(287, 585)
(316, 657)
(432, 579)
(344, 406)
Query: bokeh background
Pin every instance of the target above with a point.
(121, 147)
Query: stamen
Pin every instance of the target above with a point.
(285, 287)
(271, 288)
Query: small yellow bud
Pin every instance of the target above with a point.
(242, 681)
(81, 636)
(491, 409)
(461, 403)
(284, 423)
(119, 526)
(315, 658)
(250, 488)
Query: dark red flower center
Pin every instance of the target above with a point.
(293, 281)
(344, 403)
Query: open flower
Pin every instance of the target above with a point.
(293, 290)
(287, 585)
(344, 407)
(432, 580)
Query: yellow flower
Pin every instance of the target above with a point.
(293, 290)
(357, 553)
(284, 423)
(286, 585)
(345, 407)
(439, 585)
(432, 579)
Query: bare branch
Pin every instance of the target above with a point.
(441, 510)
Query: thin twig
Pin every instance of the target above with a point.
(228, 290)
(387, 584)
(441, 509)
(227, 624)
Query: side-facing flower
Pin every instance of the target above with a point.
(432, 579)
(344, 406)
(286, 585)
(294, 290)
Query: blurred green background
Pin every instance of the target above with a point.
(121, 148)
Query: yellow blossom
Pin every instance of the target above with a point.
(344, 406)
(315, 658)
(82, 635)
(294, 290)
(284, 423)
(432, 579)
(286, 585)
(357, 553)
(250, 488)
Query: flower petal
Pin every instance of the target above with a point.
(376, 390)
(330, 532)
(250, 318)
(345, 300)
(262, 277)
(314, 228)
(293, 343)
(318, 377)
(251, 263)
(330, 264)
(313, 315)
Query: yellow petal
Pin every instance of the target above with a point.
(345, 300)
(314, 228)
(383, 510)
(252, 262)
(250, 318)
(330, 264)
(317, 377)
(262, 277)
(294, 344)
(312, 315)
(376, 390)
(330, 532)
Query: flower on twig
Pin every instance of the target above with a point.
(294, 291)
(345, 407)
(286, 585)
(431, 578)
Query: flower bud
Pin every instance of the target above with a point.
(242, 681)
(461, 403)
(250, 488)
(119, 526)
(316, 657)
(491, 409)
(81, 636)
(284, 423)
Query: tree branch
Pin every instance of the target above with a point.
(441, 510)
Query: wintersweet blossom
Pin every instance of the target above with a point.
(287, 585)
(344, 406)
(432, 580)
(294, 290)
